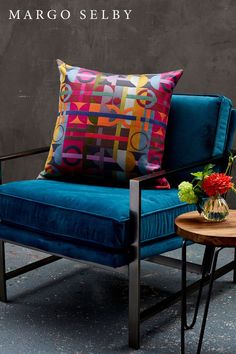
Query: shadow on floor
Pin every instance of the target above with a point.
(72, 308)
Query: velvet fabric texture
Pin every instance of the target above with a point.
(110, 127)
(198, 129)
(78, 251)
(96, 215)
(232, 128)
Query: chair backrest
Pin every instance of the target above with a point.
(200, 126)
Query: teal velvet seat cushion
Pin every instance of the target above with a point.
(80, 251)
(94, 215)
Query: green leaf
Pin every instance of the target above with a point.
(197, 174)
(208, 169)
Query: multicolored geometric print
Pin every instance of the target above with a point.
(109, 127)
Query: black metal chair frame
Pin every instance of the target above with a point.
(135, 315)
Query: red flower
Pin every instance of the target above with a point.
(217, 183)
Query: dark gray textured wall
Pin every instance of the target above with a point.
(198, 36)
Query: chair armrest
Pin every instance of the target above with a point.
(21, 154)
(24, 153)
(147, 180)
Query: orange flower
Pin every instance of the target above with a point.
(217, 183)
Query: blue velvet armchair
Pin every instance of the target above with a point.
(118, 226)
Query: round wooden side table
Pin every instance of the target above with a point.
(215, 236)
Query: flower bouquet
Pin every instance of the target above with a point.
(206, 191)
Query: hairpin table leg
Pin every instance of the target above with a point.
(234, 271)
(208, 267)
(216, 253)
(183, 307)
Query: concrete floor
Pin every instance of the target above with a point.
(72, 308)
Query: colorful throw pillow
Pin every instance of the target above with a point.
(109, 127)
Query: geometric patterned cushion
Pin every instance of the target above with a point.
(109, 127)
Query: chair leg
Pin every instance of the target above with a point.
(134, 303)
(3, 290)
(134, 265)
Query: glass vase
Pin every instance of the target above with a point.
(215, 209)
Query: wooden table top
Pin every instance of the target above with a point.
(194, 227)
